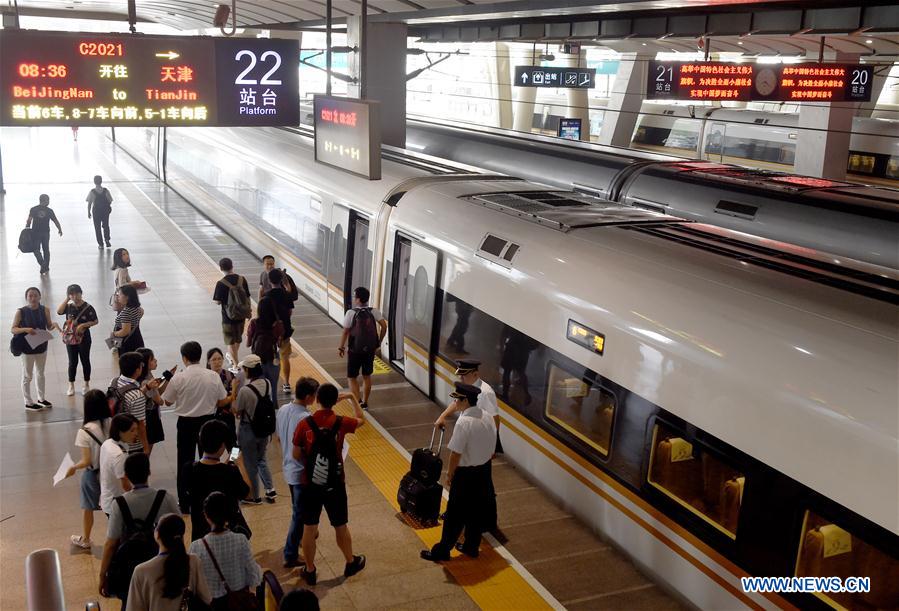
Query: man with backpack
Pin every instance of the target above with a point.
(318, 444)
(39, 218)
(364, 328)
(282, 301)
(232, 293)
(129, 536)
(256, 412)
(125, 397)
(99, 207)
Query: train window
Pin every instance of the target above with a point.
(493, 245)
(420, 295)
(859, 163)
(510, 252)
(828, 550)
(586, 411)
(892, 170)
(696, 479)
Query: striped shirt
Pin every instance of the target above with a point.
(129, 315)
(135, 403)
(235, 559)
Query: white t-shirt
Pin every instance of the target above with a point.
(122, 276)
(195, 391)
(351, 314)
(83, 440)
(487, 399)
(112, 470)
(474, 437)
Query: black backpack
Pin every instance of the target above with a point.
(263, 420)
(289, 286)
(26, 240)
(322, 463)
(364, 332)
(137, 545)
(102, 203)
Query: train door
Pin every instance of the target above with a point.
(714, 148)
(337, 261)
(358, 254)
(413, 311)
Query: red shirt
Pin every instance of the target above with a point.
(324, 418)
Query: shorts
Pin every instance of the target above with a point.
(90, 490)
(233, 332)
(334, 502)
(356, 362)
(285, 348)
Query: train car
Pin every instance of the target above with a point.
(766, 204)
(717, 413)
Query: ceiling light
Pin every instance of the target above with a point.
(643, 43)
(739, 42)
(869, 41)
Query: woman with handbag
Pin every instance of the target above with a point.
(93, 432)
(174, 579)
(30, 319)
(76, 335)
(231, 571)
(126, 335)
(153, 388)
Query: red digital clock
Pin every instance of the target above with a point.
(48, 71)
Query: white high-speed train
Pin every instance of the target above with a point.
(715, 414)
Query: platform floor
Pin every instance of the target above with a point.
(549, 559)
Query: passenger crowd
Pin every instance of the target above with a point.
(227, 414)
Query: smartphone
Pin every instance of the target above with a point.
(235, 452)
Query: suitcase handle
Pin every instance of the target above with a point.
(440, 442)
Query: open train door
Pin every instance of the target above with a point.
(714, 148)
(349, 265)
(413, 313)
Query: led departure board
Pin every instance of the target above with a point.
(64, 78)
(719, 81)
(348, 134)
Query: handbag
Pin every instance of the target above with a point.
(240, 600)
(191, 602)
(69, 335)
(114, 304)
(114, 343)
(17, 344)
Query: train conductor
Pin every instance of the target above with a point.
(467, 370)
(468, 475)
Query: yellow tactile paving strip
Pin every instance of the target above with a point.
(490, 580)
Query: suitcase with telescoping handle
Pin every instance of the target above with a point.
(420, 491)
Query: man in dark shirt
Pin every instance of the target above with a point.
(99, 206)
(39, 218)
(284, 308)
(232, 329)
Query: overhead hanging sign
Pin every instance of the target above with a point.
(551, 76)
(348, 134)
(720, 81)
(64, 78)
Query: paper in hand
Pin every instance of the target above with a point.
(64, 466)
(40, 336)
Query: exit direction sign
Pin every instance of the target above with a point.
(551, 76)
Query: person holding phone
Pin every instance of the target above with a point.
(152, 388)
(76, 335)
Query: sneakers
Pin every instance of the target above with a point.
(87, 387)
(308, 577)
(292, 563)
(108, 245)
(270, 495)
(79, 542)
(256, 501)
(364, 405)
(286, 389)
(33, 407)
(44, 403)
(70, 389)
(100, 246)
(355, 566)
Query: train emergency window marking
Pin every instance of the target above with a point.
(826, 549)
(586, 411)
(511, 250)
(584, 336)
(493, 245)
(698, 481)
(66, 78)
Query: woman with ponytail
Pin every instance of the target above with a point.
(172, 577)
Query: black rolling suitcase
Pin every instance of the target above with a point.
(420, 491)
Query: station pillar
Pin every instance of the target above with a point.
(880, 78)
(384, 54)
(501, 73)
(822, 139)
(578, 99)
(525, 97)
(628, 92)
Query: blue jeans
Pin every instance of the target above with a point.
(272, 372)
(295, 532)
(253, 449)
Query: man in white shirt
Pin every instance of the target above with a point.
(364, 329)
(122, 431)
(468, 475)
(196, 393)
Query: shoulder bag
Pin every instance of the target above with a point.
(70, 336)
(240, 600)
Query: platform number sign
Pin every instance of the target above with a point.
(258, 81)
